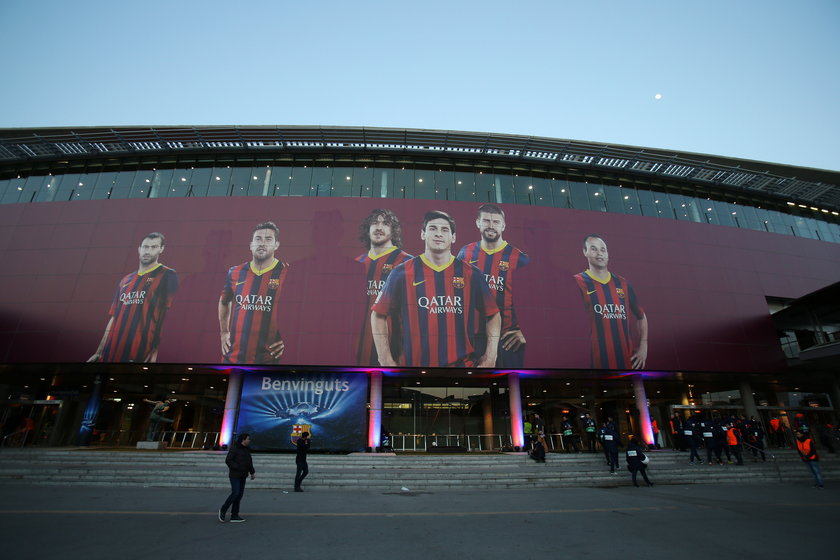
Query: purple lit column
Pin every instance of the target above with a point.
(375, 412)
(515, 404)
(641, 404)
(231, 407)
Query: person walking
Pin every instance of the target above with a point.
(589, 429)
(240, 466)
(610, 442)
(692, 437)
(733, 441)
(300, 460)
(808, 453)
(636, 461)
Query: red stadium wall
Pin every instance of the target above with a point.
(703, 287)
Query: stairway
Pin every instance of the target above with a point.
(384, 472)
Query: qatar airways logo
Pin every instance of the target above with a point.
(254, 302)
(441, 304)
(495, 282)
(610, 311)
(133, 298)
(374, 287)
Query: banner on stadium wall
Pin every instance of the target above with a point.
(361, 282)
(276, 408)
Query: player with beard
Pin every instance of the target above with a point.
(248, 306)
(609, 298)
(381, 233)
(438, 301)
(498, 260)
(139, 308)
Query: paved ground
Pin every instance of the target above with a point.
(674, 522)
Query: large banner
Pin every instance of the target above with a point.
(383, 282)
(275, 409)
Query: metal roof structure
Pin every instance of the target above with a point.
(816, 187)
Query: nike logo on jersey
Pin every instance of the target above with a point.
(240, 283)
(473, 262)
(590, 293)
(418, 283)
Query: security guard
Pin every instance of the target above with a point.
(589, 428)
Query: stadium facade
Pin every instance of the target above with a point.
(618, 281)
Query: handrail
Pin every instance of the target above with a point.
(179, 439)
(25, 433)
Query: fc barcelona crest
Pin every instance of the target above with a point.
(504, 265)
(619, 292)
(273, 284)
(149, 280)
(387, 267)
(458, 282)
(297, 431)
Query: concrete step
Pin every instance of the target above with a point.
(387, 472)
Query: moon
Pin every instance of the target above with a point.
(658, 96)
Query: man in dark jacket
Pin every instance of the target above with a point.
(300, 460)
(609, 439)
(240, 466)
(635, 461)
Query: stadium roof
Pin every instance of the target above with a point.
(816, 187)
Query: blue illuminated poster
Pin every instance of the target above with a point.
(332, 407)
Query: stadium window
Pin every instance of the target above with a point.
(580, 195)
(597, 199)
(523, 187)
(485, 187)
(465, 186)
(561, 193)
(301, 181)
(48, 190)
(122, 184)
(504, 190)
(14, 191)
(647, 204)
(280, 179)
(724, 210)
(259, 181)
(444, 185)
(200, 181)
(630, 199)
(613, 199)
(361, 182)
(542, 192)
(240, 178)
(383, 183)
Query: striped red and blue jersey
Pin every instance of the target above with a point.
(608, 304)
(254, 310)
(138, 310)
(439, 310)
(377, 269)
(498, 266)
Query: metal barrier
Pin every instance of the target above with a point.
(181, 440)
(16, 442)
(472, 442)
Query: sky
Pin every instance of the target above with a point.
(752, 79)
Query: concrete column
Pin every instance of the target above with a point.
(747, 398)
(231, 407)
(515, 404)
(487, 413)
(375, 411)
(641, 405)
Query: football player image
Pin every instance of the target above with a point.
(248, 306)
(381, 234)
(609, 299)
(139, 308)
(439, 302)
(498, 260)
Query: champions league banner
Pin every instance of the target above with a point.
(276, 408)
